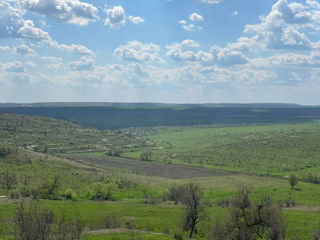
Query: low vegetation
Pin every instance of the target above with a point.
(169, 184)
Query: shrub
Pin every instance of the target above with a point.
(5, 151)
(312, 178)
(8, 180)
(14, 194)
(102, 191)
(176, 194)
(178, 236)
(69, 194)
(111, 221)
(224, 203)
(33, 222)
(250, 220)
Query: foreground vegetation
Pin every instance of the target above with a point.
(140, 193)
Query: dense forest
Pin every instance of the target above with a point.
(136, 115)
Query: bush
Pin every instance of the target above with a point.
(316, 235)
(49, 188)
(250, 220)
(14, 194)
(111, 221)
(224, 203)
(5, 151)
(8, 180)
(33, 222)
(102, 191)
(178, 236)
(69, 194)
(312, 178)
(146, 155)
(176, 194)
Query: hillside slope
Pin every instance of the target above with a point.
(116, 117)
(52, 136)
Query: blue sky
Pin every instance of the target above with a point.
(172, 51)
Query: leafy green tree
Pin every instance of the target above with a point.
(146, 155)
(8, 180)
(293, 180)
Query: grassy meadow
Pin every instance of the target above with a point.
(92, 183)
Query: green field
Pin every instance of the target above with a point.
(92, 184)
(274, 150)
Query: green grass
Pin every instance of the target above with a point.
(128, 236)
(157, 218)
(266, 150)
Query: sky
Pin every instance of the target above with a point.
(169, 51)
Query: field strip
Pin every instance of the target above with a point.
(172, 171)
(119, 230)
(304, 208)
(80, 164)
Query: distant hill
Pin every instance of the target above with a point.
(56, 136)
(123, 115)
(152, 105)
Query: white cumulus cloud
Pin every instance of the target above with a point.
(211, 1)
(190, 43)
(25, 50)
(13, 67)
(286, 26)
(70, 11)
(136, 20)
(138, 52)
(84, 64)
(115, 16)
(195, 17)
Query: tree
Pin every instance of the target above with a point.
(146, 155)
(194, 209)
(250, 221)
(8, 180)
(33, 222)
(49, 188)
(293, 180)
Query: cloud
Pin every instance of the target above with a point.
(138, 52)
(69, 11)
(74, 48)
(188, 27)
(190, 43)
(286, 26)
(195, 17)
(51, 59)
(4, 49)
(235, 13)
(136, 20)
(25, 50)
(84, 64)
(227, 57)
(13, 67)
(31, 64)
(288, 60)
(244, 44)
(211, 1)
(178, 55)
(13, 25)
(115, 17)
(216, 55)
